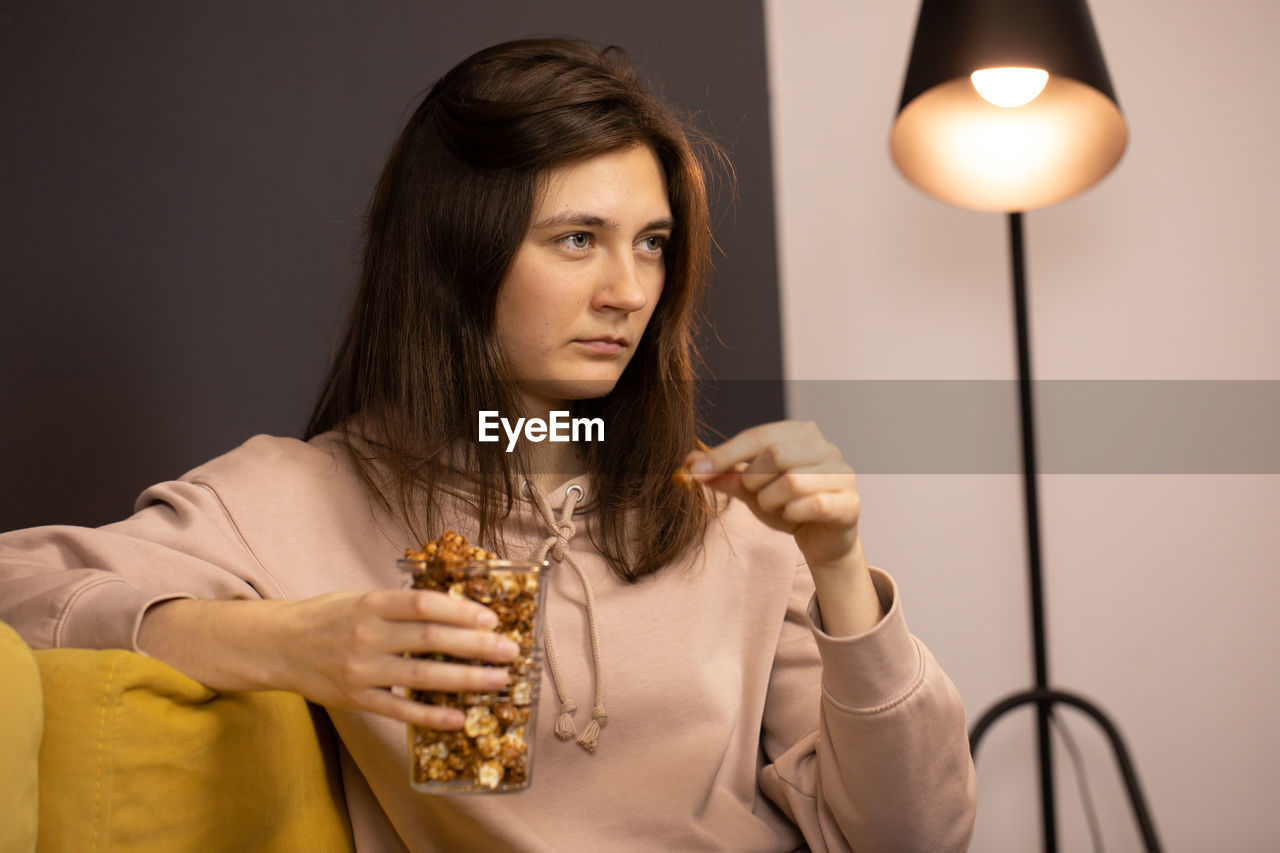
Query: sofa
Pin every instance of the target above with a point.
(113, 750)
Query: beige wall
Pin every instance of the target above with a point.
(1161, 588)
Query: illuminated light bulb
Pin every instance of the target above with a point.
(1009, 87)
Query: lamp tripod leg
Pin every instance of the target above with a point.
(1045, 699)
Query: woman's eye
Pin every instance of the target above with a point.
(577, 241)
(654, 243)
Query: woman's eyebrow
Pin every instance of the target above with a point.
(591, 220)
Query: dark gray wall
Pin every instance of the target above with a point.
(180, 196)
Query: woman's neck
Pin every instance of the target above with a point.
(552, 463)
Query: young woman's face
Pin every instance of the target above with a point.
(587, 277)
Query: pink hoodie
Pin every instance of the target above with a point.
(734, 723)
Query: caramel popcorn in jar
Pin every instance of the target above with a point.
(493, 750)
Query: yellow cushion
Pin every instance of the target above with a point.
(21, 722)
(139, 757)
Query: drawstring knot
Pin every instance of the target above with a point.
(559, 532)
(564, 532)
(599, 716)
(564, 725)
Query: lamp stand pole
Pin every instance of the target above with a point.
(1041, 695)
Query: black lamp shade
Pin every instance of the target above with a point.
(954, 145)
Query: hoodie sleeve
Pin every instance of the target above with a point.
(63, 586)
(887, 768)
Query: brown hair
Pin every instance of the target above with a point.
(419, 356)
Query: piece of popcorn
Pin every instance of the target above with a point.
(459, 743)
(517, 771)
(439, 771)
(487, 746)
(481, 589)
(506, 713)
(489, 774)
(522, 666)
(525, 610)
(479, 722)
(509, 586)
(512, 747)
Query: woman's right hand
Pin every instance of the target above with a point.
(350, 651)
(342, 649)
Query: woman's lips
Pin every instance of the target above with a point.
(602, 346)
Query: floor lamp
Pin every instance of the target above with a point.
(1008, 107)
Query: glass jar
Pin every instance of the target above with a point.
(493, 751)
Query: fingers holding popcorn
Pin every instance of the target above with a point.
(793, 479)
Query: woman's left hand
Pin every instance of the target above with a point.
(794, 480)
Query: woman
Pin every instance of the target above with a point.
(537, 243)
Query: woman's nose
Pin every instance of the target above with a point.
(625, 285)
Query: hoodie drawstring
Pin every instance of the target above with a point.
(556, 545)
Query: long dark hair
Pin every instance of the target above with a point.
(419, 356)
